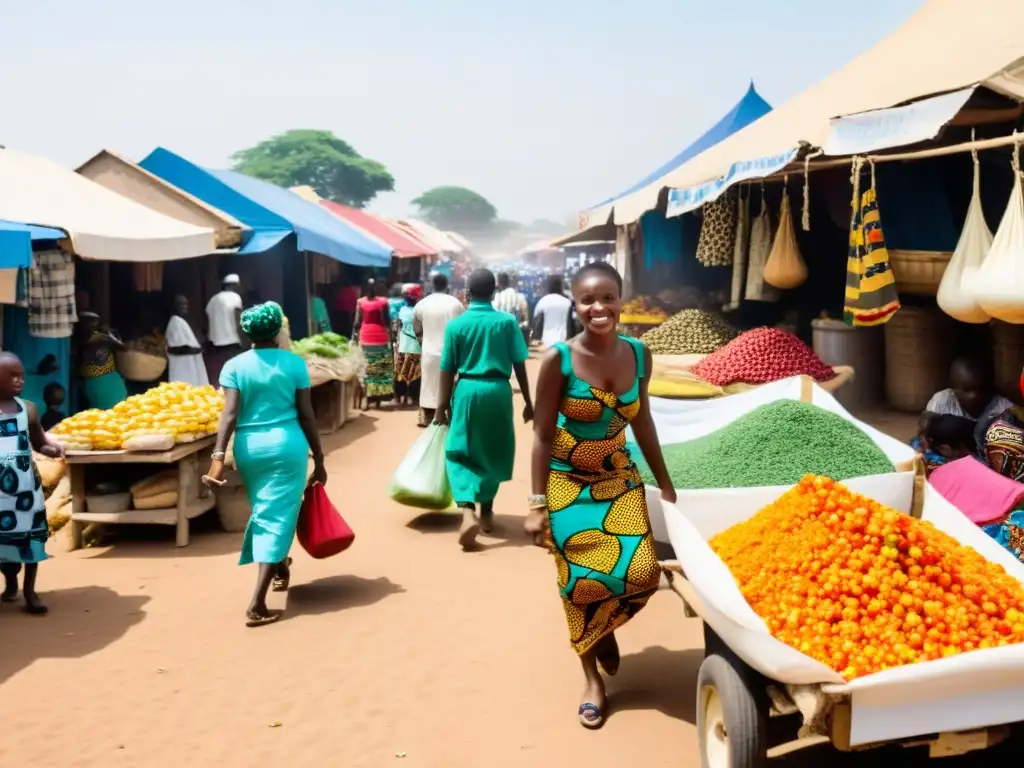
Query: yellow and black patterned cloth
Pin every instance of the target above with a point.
(600, 529)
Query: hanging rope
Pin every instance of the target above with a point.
(806, 219)
(857, 165)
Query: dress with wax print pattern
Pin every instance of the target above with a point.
(600, 530)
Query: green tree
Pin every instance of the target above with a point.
(457, 208)
(318, 159)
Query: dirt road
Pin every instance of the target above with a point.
(401, 651)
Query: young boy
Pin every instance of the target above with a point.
(53, 396)
(943, 438)
(23, 529)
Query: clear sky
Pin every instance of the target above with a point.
(543, 106)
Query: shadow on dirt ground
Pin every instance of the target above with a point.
(81, 621)
(338, 593)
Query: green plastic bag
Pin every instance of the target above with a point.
(421, 480)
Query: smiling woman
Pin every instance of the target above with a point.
(589, 504)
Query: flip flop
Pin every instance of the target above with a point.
(279, 584)
(590, 716)
(254, 619)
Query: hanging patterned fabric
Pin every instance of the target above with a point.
(718, 232)
(871, 297)
(739, 256)
(51, 304)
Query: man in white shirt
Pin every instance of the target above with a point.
(430, 318)
(552, 317)
(223, 315)
(508, 299)
(184, 355)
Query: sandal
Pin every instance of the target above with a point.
(590, 716)
(280, 583)
(257, 619)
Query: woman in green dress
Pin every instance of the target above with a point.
(483, 347)
(267, 407)
(589, 505)
(102, 384)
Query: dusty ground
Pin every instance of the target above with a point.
(403, 650)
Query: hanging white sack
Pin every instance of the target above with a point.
(956, 295)
(785, 268)
(999, 287)
(760, 248)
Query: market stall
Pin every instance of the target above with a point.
(108, 453)
(187, 497)
(335, 367)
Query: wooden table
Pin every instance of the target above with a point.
(194, 498)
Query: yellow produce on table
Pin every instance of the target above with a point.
(174, 410)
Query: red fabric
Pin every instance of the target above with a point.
(404, 246)
(322, 531)
(1022, 384)
(415, 292)
(982, 494)
(347, 298)
(374, 330)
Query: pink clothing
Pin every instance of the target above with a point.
(374, 330)
(982, 494)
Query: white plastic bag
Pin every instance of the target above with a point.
(421, 480)
(956, 296)
(999, 287)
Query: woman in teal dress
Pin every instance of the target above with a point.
(483, 347)
(267, 407)
(589, 505)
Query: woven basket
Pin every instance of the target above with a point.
(917, 357)
(919, 272)
(140, 366)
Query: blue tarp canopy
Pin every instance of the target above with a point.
(16, 242)
(270, 212)
(749, 109)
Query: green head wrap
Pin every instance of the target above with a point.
(263, 322)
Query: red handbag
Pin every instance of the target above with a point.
(322, 531)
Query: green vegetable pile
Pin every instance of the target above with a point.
(690, 332)
(777, 444)
(329, 345)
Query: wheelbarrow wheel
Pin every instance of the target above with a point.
(732, 728)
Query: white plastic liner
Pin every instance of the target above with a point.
(679, 421)
(969, 691)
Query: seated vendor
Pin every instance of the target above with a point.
(972, 395)
(1004, 442)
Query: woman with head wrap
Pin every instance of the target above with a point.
(267, 407)
(102, 384)
(407, 359)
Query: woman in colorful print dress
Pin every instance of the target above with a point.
(373, 329)
(589, 505)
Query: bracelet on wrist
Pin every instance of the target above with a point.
(537, 501)
(218, 455)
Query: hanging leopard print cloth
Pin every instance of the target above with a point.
(717, 240)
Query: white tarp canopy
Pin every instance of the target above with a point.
(101, 224)
(946, 46)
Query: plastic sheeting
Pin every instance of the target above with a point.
(679, 421)
(969, 691)
(101, 224)
(271, 213)
(16, 242)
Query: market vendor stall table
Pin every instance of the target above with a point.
(193, 497)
